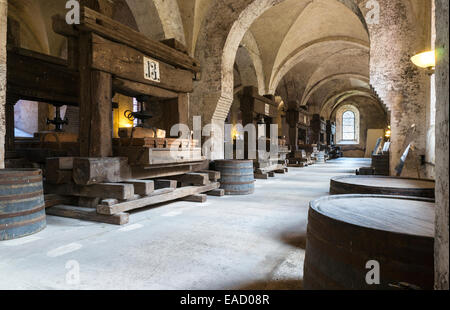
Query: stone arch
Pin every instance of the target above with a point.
(301, 53)
(334, 100)
(222, 31)
(251, 47)
(310, 89)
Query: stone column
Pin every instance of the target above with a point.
(3, 27)
(442, 159)
(404, 88)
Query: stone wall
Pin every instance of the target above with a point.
(371, 116)
(3, 27)
(442, 137)
(403, 30)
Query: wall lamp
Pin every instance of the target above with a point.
(425, 60)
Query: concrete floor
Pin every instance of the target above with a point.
(231, 242)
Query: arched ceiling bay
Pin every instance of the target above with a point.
(312, 46)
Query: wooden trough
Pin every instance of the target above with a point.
(382, 185)
(346, 232)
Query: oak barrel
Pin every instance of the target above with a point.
(382, 185)
(346, 232)
(236, 176)
(22, 208)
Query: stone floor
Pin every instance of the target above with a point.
(231, 242)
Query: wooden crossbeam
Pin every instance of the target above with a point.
(200, 198)
(160, 184)
(216, 192)
(113, 30)
(106, 190)
(88, 215)
(152, 200)
(142, 187)
(193, 178)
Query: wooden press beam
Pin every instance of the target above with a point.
(38, 77)
(128, 63)
(113, 30)
(95, 104)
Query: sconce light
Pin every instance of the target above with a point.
(426, 60)
(387, 134)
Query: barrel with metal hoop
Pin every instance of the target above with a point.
(382, 185)
(22, 207)
(236, 176)
(370, 242)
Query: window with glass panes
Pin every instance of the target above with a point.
(348, 126)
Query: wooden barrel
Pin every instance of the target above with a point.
(347, 232)
(381, 185)
(236, 176)
(22, 208)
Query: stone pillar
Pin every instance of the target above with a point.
(3, 27)
(442, 159)
(404, 88)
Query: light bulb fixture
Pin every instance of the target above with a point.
(425, 60)
(388, 132)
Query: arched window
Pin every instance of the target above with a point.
(348, 126)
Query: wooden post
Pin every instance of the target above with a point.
(9, 120)
(95, 105)
(101, 118)
(183, 108)
(3, 27)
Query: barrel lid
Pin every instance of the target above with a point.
(385, 181)
(396, 214)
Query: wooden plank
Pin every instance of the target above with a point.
(216, 192)
(147, 201)
(88, 215)
(58, 176)
(113, 30)
(152, 142)
(134, 89)
(213, 175)
(136, 132)
(59, 163)
(128, 63)
(88, 202)
(261, 176)
(161, 171)
(175, 44)
(193, 178)
(200, 198)
(142, 187)
(88, 171)
(106, 190)
(54, 200)
(38, 77)
(151, 156)
(159, 184)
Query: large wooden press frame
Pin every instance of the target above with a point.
(110, 57)
(104, 57)
(253, 106)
